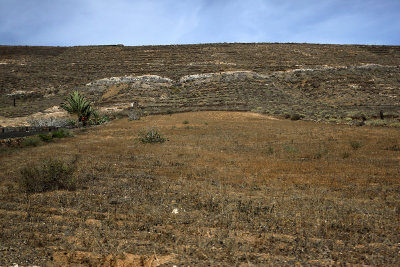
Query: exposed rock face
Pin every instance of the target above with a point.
(131, 79)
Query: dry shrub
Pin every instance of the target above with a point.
(51, 175)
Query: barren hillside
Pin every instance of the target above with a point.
(316, 81)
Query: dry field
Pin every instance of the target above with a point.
(227, 188)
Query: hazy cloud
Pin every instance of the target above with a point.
(139, 22)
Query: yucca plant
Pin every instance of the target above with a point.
(78, 105)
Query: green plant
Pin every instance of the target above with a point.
(61, 133)
(290, 149)
(270, 150)
(45, 137)
(31, 141)
(152, 136)
(97, 120)
(356, 144)
(185, 122)
(47, 176)
(78, 105)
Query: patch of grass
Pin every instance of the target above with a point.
(270, 150)
(355, 144)
(348, 119)
(185, 122)
(47, 176)
(151, 137)
(376, 122)
(61, 133)
(31, 141)
(290, 149)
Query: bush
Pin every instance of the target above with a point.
(270, 150)
(356, 144)
(97, 120)
(31, 141)
(61, 133)
(48, 176)
(45, 137)
(295, 117)
(151, 137)
(186, 122)
(290, 149)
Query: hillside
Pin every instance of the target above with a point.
(319, 82)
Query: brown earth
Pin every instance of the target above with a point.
(227, 188)
(319, 82)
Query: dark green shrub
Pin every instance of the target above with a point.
(97, 120)
(47, 176)
(151, 137)
(45, 137)
(61, 133)
(31, 141)
(185, 122)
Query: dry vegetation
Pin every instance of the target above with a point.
(227, 188)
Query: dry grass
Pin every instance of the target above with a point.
(228, 189)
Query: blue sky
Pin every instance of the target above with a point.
(152, 22)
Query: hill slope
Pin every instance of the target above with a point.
(318, 81)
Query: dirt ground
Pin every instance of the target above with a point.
(227, 188)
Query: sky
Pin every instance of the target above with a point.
(163, 22)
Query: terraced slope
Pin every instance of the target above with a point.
(284, 78)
